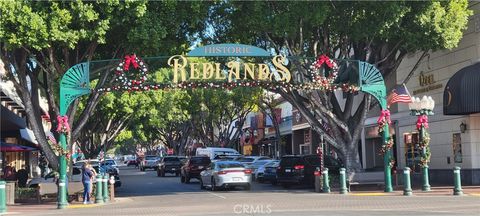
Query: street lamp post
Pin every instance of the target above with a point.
(423, 108)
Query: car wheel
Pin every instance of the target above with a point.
(182, 179)
(260, 180)
(202, 187)
(214, 186)
(248, 187)
(274, 182)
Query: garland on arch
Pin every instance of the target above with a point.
(139, 83)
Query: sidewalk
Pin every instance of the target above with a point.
(417, 191)
(26, 208)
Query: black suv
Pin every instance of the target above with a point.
(193, 167)
(169, 164)
(299, 169)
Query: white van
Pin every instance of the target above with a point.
(213, 152)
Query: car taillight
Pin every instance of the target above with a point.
(221, 172)
(279, 168)
(248, 171)
(297, 167)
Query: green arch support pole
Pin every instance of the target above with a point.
(75, 83)
(371, 81)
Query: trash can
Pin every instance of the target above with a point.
(10, 192)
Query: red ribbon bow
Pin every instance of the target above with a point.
(422, 120)
(130, 59)
(62, 122)
(324, 59)
(384, 115)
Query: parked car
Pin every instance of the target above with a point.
(193, 167)
(52, 177)
(270, 173)
(226, 174)
(299, 169)
(258, 169)
(247, 160)
(112, 163)
(149, 162)
(132, 162)
(169, 164)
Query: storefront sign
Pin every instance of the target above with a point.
(427, 83)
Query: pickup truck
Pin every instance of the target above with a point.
(169, 164)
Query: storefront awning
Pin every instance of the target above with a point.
(28, 135)
(462, 92)
(7, 147)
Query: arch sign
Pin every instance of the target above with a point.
(268, 71)
(271, 73)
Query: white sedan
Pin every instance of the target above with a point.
(226, 174)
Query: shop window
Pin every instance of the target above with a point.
(305, 149)
(457, 148)
(412, 151)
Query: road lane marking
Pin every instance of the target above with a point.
(217, 195)
(82, 206)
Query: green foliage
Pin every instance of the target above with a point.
(418, 25)
(41, 24)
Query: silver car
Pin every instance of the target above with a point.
(226, 174)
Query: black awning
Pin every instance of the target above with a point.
(462, 92)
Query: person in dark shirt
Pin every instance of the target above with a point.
(22, 176)
(87, 175)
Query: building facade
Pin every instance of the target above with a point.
(455, 139)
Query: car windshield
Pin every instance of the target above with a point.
(110, 162)
(261, 162)
(290, 161)
(171, 159)
(246, 159)
(230, 165)
(200, 160)
(150, 157)
(272, 164)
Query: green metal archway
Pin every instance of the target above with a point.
(76, 83)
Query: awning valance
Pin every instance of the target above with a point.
(462, 92)
(8, 147)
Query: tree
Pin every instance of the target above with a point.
(216, 116)
(52, 37)
(381, 33)
(57, 35)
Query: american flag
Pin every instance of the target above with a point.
(51, 137)
(399, 94)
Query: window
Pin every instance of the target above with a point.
(171, 159)
(305, 149)
(230, 165)
(457, 148)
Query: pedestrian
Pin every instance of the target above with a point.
(87, 175)
(92, 178)
(22, 176)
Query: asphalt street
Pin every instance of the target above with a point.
(143, 193)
